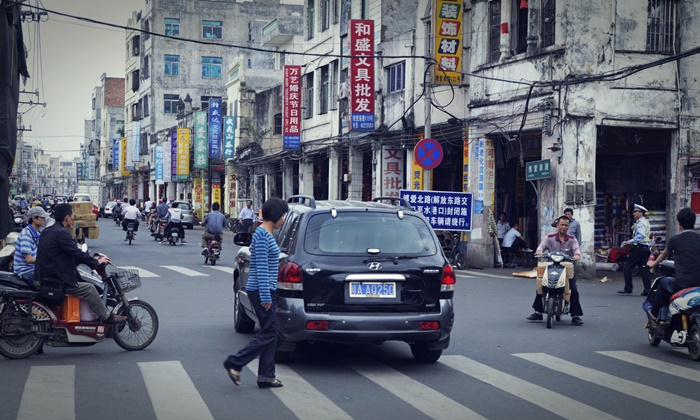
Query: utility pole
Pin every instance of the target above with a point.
(427, 100)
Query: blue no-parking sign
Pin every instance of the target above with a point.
(445, 210)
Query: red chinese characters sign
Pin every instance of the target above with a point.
(361, 81)
(291, 121)
(392, 171)
(448, 38)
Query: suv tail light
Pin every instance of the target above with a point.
(448, 279)
(289, 277)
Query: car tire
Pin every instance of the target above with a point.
(241, 322)
(422, 354)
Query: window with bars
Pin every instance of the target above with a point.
(172, 26)
(278, 124)
(661, 26)
(519, 35)
(147, 29)
(395, 76)
(333, 103)
(494, 30)
(549, 14)
(211, 67)
(325, 83)
(144, 108)
(325, 14)
(144, 144)
(310, 18)
(308, 82)
(170, 103)
(211, 29)
(172, 65)
(145, 68)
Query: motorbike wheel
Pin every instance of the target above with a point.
(140, 329)
(23, 346)
(654, 339)
(694, 343)
(460, 261)
(213, 261)
(550, 310)
(241, 322)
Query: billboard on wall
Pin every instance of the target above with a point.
(448, 41)
(291, 117)
(229, 136)
(158, 152)
(361, 78)
(392, 171)
(183, 153)
(215, 128)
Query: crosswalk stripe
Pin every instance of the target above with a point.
(655, 396)
(301, 393)
(49, 393)
(185, 271)
(549, 400)
(172, 393)
(225, 269)
(421, 397)
(648, 362)
(142, 272)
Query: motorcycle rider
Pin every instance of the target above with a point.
(57, 256)
(26, 246)
(161, 213)
(560, 241)
(685, 247)
(174, 221)
(214, 224)
(131, 214)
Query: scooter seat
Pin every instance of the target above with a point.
(684, 292)
(11, 279)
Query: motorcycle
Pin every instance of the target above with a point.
(26, 323)
(453, 249)
(7, 253)
(213, 250)
(20, 221)
(130, 231)
(681, 318)
(158, 229)
(555, 286)
(173, 235)
(117, 215)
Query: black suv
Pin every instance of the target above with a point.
(355, 271)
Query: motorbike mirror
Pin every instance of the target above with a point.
(243, 239)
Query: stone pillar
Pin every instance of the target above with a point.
(506, 15)
(533, 26)
(355, 173)
(334, 174)
(306, 177)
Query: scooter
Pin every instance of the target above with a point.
(158, 229)
(213, 250)
(679, 323)
(555, 287)
(7, 253)
(173, 236)
(130, 235)
(117, 215)
(27, 322)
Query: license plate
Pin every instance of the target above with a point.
(372, 289)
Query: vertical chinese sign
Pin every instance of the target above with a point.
(392, 171)
(465, 162)
(361, 84)
(167, 161)
(291, 119)
(159, 164)
(115, 153)
(215, 128)
(122, 161)
(448, 40)
(173, 155)
(135, 143)
(183, 153)
(201, 148)
(229, 136)
(489, 172)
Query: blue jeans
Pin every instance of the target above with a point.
(264, 343)
(664, 292)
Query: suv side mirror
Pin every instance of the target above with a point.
(243, 239)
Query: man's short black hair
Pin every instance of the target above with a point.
(62, 211)
(568, 209)
(686, 218)
(215, 206)
(563, 218)
(132, 201)
(273, 209)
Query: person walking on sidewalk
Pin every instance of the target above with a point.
(639, 254)
(262, 283)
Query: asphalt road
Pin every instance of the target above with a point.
(498, 365)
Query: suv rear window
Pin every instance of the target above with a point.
(353, 233)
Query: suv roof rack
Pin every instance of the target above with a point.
(395, 201)
(307, 200)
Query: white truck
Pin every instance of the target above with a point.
(94, 188)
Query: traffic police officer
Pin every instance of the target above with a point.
(639, 254)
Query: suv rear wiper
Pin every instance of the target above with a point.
(394, 259)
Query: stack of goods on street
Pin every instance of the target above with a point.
(85, 223)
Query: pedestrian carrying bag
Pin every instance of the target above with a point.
(52, 292)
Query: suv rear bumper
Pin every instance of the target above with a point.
(356, 327)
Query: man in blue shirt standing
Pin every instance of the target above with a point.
(27, 244)
(214, 225)
(639, 252)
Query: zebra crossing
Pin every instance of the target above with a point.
(168, 270)
(174, 394)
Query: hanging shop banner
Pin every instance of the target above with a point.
(91, 168)
(158, 152)
(448, 39)
(115, 153)
(232, 188)
(215, 128)
(229, 136)
(127, 153)
(135, 142)
(291, 117)
(216, 193)
(122, 162)
(183, 153)
(79, 171)
(167, 161)
(173, 155)
(392, 171)
(465, 162)
(198, 197)
(444, 210)
(362, 75)
(201, 148)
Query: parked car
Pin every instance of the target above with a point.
(81, 197)
(109, 208)
(187, 213)
(355, 271)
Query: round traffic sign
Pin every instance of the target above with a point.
(428, 153)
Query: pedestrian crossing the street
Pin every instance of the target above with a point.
(173, 393)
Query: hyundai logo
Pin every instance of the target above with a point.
(374, 266)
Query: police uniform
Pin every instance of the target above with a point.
(639, 254)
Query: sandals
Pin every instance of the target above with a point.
(235, 377)
(274, 384)
(652, 320)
